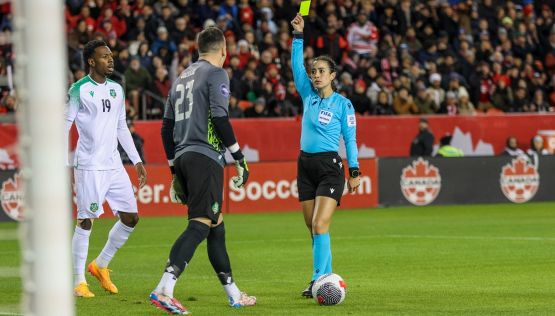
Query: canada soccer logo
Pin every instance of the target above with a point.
(420, 182)
(11, 197)
(520, 180)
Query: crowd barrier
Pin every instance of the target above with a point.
(272, 186)
(266, 140)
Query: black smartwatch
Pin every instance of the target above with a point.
(354, 172)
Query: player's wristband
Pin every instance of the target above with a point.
(172, 169)
(238, 155)
(298, 35)
(354, 172)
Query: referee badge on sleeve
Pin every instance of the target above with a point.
(351, 120)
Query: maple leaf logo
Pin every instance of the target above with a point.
(519, 180)
(11, 197)
(420, 182)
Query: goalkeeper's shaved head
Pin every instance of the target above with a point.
(210, 40)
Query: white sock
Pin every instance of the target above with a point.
(166, 285)
(79, 249)
(116, 238)
(232, 291)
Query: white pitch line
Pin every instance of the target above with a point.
(10, 314)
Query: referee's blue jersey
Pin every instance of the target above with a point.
(324, 120)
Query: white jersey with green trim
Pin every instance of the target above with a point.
(98, 110)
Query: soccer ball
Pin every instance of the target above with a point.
(329, 289)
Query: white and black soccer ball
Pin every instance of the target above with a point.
(329, 289)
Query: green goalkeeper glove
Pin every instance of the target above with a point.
(242, 173)
(176, 192)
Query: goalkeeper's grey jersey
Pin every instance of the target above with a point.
(200, 93)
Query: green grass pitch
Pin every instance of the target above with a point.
(438, 260)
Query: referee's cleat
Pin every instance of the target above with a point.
(308, 291)
(244, 300)
(82, 290)
(168, 304)
(103, 275)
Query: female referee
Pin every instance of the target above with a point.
(320, 172)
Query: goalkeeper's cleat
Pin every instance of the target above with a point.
(308, 291)
(244, 300)
(82, 290)
(168, 304)
(103, 275)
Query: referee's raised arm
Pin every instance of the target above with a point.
(300, 77)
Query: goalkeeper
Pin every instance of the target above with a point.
(320, 173)
(195, 133)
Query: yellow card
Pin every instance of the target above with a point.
(305, 7)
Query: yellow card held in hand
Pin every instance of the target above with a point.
(305, 7)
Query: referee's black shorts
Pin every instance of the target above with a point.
(202, 180)
(320, 174)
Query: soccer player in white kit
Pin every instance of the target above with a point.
(97, 106)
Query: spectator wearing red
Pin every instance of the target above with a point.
(119, 26)
(363, 36)
(331, 43)
(162, 83)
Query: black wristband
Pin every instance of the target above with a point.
(172, 169)
(298, 35)
(354, 172)
(238, 155)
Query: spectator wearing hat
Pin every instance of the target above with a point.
(258, 109)
(502, 97)
(446, 149)
(423, 144)
(423, 100)
(465, 105)
(536, 148)
(450, 107)
(436, 92)
(163, 41)
(359, 99)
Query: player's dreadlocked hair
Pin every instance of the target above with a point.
(210, 40)
(88, 51)
(331, 63)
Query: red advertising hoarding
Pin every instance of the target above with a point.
(272, 187)
(267, 140)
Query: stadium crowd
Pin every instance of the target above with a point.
(395, 56)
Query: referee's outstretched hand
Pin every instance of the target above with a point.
(298, 23)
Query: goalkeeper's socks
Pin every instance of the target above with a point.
(167, 284)
(230, 288)
(116, 239)
(320, 254)
(79, 249)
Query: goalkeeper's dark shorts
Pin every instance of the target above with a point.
(202, 180)
(320, 174)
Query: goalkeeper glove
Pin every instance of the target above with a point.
(242, 173)
(176, 192)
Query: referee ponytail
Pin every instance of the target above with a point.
(331, 63)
